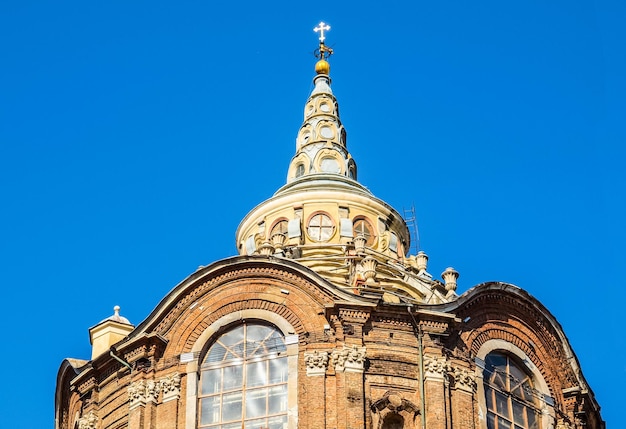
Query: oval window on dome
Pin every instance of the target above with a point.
(308, 110)
(324, 107)
(327, 132)
(330, 165)
(320, 227)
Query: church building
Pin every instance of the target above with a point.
(324, 321)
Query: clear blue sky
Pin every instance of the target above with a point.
(135, 135)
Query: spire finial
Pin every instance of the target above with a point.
(321, 28)
(323, 52)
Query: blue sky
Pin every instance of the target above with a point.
(134, 136)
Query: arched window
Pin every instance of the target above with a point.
(363, 227)
(509, 394)
(243, 380)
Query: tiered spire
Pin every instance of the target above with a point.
(321, 142)
(327, 221)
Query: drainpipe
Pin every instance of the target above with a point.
(421, 364)
(123, 362)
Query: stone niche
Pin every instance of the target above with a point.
(394, 412)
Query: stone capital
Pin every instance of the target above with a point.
(435, 368)
(137, 394)
(170, 386)
(152, 391)
(88, 421)
(349, 359)
(316, 363)
(464, 379)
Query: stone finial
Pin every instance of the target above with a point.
(421, 261)
(450, 275)
(369, 265)
(359, 244)
(278, 240)
(266, 248)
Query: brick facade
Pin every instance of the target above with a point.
(361, 363)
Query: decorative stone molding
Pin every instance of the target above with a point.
(439, 368)
(170, 386)
(88, 422)
(394, 402)
(137, 393)
(562, 424)
(316, 362)
(435, 367)
(349, 359)
(369, 265)
(152, 391)
(390, 405)
(464, 379)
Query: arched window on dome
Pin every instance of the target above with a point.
(510, 396)
(243, 380)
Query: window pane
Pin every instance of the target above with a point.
(256, 374)
(491, 421)
(209, 410)
(489, 393)
(502, 404)
(256, 403)
(504, 423)
(519, 413)
(233, 377)
(211, 381)
(278, 422)
(232, 337)
(231, 407)
(278, 370)
(216, 354)
(277, 399)
(532, 419)
(256, 424)
(231, 426)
